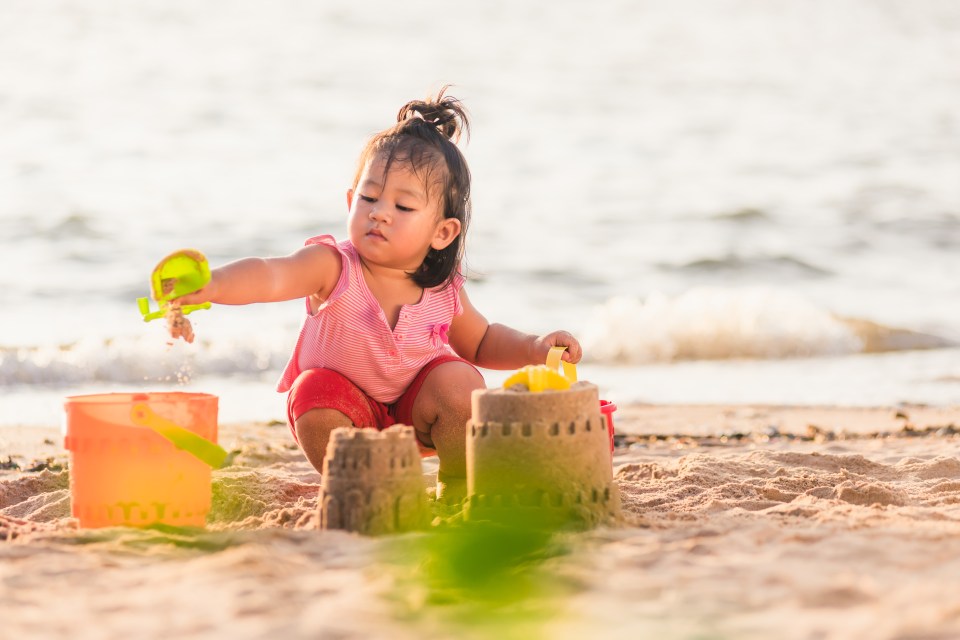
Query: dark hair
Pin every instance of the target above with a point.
(424, 139)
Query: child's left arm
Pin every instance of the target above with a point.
(497, 346)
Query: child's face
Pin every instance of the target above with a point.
(394, 219)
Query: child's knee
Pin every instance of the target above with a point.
(320, 419)
(456, 384)
(442, 407)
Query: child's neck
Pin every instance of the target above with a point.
(392, 288)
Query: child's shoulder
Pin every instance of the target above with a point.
(319, 251)
(328, 246)
(327, 240)
(324, 257)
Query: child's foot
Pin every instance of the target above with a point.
(451, 490)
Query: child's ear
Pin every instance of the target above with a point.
(446, 233)
(349, 199)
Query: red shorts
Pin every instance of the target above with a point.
(327, 389)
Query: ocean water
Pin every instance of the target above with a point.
(733, 201)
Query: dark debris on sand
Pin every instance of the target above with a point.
(771, 433)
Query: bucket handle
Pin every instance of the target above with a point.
(551, 375)
(209, 452)
(554, 360)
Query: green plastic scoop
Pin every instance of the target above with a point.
(180, 273)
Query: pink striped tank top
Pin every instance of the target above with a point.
(350, 333)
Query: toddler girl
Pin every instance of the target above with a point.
(390, 335)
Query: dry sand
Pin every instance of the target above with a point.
(742, 522)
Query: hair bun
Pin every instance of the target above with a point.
(444, 113)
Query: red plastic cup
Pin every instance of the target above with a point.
(607, 408)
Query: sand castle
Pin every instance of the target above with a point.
(372, 482)
(543, 457)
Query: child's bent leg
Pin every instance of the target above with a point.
(321, 400)
(313, 431)
(440, 414)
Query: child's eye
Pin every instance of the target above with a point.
(403, 208)
(367, 198)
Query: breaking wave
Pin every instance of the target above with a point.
(701, 324)
(719, 324)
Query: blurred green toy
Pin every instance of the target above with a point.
(180, 273)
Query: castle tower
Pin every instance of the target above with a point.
(372, 482)
(541, 457)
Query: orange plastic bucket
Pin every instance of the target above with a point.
(125, 474)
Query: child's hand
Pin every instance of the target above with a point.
(199, 296)
(178, 326)
(541, 347)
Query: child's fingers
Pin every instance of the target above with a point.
(197, 297)
(572, 353)
(177, 324)
(186, 331)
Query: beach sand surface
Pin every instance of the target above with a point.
(739, 522)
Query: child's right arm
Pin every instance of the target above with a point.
(311, 271)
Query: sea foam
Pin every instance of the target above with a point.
(701, 324)
(718, 324)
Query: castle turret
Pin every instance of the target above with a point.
(542, 457)
(372, 482)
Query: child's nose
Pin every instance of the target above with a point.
(378, 213)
